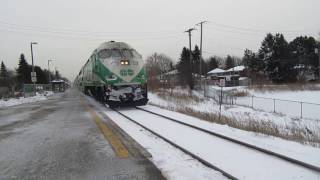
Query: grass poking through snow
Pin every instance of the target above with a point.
(184, 103)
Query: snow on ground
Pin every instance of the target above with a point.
(23, 100)
(292, 149)
(174, 164)
(237, 112)
(284, 102)
(307, 130)
(226, 155)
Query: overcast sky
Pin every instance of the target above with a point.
(69, 30)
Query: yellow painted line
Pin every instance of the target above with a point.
(115, 142)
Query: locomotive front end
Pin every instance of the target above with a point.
(123, 71)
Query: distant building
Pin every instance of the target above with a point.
(235, 76)
(216, 72)
(58, 85)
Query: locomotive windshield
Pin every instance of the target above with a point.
(127, 53)
(105, 53)
(116, 53)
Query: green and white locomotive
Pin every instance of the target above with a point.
(115, 74)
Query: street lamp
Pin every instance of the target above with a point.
(49, 71)
(33, 74)
(32, 54)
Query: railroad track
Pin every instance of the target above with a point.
(203, 161)
(268, 152)
(281, 157)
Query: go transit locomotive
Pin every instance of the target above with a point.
(115, 74)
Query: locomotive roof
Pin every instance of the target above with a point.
(114, 45)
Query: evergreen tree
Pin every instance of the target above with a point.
(213, 63)
(196, 60)
(57, 75)
(4, 76)
(302, 51)
(252, 62)
(302, 48)
(184, 68)
(23, 71)
(276, 56)
(42, 78)
(229, 63)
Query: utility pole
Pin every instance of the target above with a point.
(33, 74)
(201, 23)
(49, 73)
(190, 51)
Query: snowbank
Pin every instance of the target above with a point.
(23, 100)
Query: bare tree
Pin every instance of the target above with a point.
(157, 64)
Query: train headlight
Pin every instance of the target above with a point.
(124, 62)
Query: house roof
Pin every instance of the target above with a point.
(236, 68)
(216, 70)
(173, 72)
(59, 80)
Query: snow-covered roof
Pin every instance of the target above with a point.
(236, 68)
(216, 70)
(243, 78)
(173, 72)
(59, 80)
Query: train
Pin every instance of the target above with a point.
(115, 74)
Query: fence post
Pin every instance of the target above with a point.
(300, 109)
(274, 105)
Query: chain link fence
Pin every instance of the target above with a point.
(31, 89)
(293, 108)
(297, 109)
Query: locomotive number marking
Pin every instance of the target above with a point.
(126, 72)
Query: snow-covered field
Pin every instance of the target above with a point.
(284, 125)
(23, 100)
(176, 165)
(293, 103)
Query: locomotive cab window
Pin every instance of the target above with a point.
(127, 53)
(116, 53)
(125, 62)
(105, 53)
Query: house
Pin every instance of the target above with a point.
(232, 77)
(170, 77)
(216, 72)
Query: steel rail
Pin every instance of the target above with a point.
(206, 163)
(268, 152)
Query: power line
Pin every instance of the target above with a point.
(72, 31)
(253, 29)
(76, 36)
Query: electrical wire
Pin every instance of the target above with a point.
(254, 30)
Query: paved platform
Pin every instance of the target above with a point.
(66, 138)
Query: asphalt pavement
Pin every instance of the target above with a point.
(60, 138)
